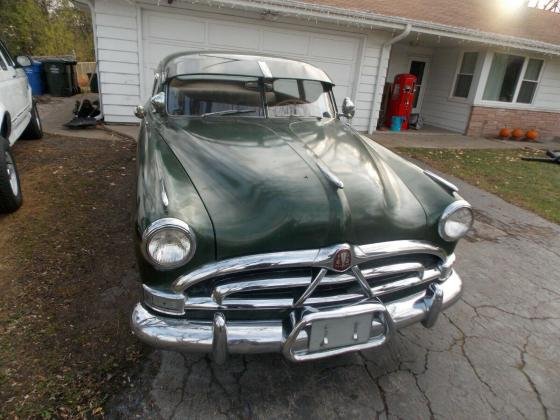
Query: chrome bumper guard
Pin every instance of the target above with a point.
(222, 337)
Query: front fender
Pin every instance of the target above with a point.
(159, 169)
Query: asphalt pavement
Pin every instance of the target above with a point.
(495, 354)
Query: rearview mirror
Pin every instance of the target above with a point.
(348, 108)
(23, 61)
(158, 102)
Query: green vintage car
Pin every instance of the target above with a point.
(266, 223)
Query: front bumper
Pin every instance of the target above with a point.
(222, 337)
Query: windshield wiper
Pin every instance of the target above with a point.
(227, 112)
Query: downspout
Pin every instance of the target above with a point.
(385, 49)
(89, 3)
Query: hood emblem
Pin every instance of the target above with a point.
(342, 260)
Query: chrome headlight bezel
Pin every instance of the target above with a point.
(447, 213)
(164, 224)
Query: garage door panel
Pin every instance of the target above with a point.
(341, 92)
(165, 33)
(333, 48)
(233, 36)
(285, 43)
(340, 73)
(164, 26)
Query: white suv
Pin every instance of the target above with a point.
(18, 118)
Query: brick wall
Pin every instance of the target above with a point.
(488, 121)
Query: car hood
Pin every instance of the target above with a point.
(265, 184)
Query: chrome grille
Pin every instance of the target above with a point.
(283, 289)
(295, 279)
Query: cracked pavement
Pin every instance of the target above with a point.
(496, 353)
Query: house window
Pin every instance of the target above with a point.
(512, 78)
(530, 81)
(465, 75)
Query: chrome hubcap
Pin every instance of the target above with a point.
(12, 176)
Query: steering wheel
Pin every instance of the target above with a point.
(292, 101)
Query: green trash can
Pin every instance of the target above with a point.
(60, 75)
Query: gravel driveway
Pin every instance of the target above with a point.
(496, 353)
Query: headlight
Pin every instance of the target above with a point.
(456, 220)
(168, 243)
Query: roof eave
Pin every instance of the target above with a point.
(370, 20)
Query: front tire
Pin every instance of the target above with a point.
(10, 191)
(34, 130)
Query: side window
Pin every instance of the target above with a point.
(3, 65)
(7, 57)
(156, 80)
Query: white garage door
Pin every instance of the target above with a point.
(165, 33)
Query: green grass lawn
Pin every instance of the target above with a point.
(532, 185)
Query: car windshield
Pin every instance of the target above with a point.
(204, 97)
(243, 96)
(302, 98)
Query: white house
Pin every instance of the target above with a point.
(483, 64)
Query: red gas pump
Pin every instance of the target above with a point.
(401, 99)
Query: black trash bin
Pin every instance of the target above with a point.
(60, 75)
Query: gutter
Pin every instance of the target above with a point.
(385, 50)
(370, 20)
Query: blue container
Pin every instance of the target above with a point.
(396, 123)
(35, 76)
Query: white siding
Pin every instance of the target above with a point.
(118, 61)
(368, 75)
(121, 54)
(401, 54)
(124, 59)
(437, 108)
(548, 91)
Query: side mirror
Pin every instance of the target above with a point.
(23, 61)
(158, 102)
(140, 112)
(348, 108)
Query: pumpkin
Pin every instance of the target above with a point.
(532, 135)
(517, 134)
(505, 133)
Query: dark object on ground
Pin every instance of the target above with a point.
(60, 74)
(86, 115)
(553, 157)
(93, 85)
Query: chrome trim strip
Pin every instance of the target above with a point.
(305, 258)
(333, 179)
(311, 287)
(224, 290)
(180, 334)
(210, 304)
(362, 281)
(165, 302)
(164, 197)
(265, 69)
(219, 339)
(442, 181)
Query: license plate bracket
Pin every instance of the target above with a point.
(340, 332)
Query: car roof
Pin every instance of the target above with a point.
(215, 62)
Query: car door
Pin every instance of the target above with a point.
(14, 95)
